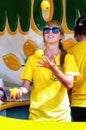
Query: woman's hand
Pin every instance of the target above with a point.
(66, 80)
(15, 93)
(47, 63)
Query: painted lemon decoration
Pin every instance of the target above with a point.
(29, 47)
(39, 53)
(12, 61)
(45, 5)
(68, 43)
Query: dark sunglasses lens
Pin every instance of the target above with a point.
(55, 30)
(46, 30)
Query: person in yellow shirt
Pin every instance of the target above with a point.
(78, 97)
(50, 77)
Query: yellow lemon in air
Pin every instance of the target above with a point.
(39, 53)
(45, 4)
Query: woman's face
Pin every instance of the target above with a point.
(52, 35)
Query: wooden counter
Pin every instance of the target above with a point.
(10, 104)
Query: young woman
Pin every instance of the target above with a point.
(51, 77)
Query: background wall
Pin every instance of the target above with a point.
(21, 24)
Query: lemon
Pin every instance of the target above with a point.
(39, 53)
(14, 91)
(45, 5)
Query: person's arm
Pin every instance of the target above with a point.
(23, 89)
(25, 86)
(67, 81)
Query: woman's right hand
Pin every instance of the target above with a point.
(15, 93)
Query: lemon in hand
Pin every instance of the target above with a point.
(39, 53)
(14, 91)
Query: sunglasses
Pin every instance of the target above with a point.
(55, 30)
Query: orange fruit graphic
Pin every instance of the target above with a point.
(12, 61)
(29, 47)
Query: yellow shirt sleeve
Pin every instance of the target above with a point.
(71, 66)
(27, 70)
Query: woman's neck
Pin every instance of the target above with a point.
(51, 51)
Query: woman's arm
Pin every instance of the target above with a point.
(23, 89)
(67, 81)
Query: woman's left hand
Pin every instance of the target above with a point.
(47, 63)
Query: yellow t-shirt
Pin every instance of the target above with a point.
(78, 97)
(49, 100)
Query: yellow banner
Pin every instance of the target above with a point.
(18, 124)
